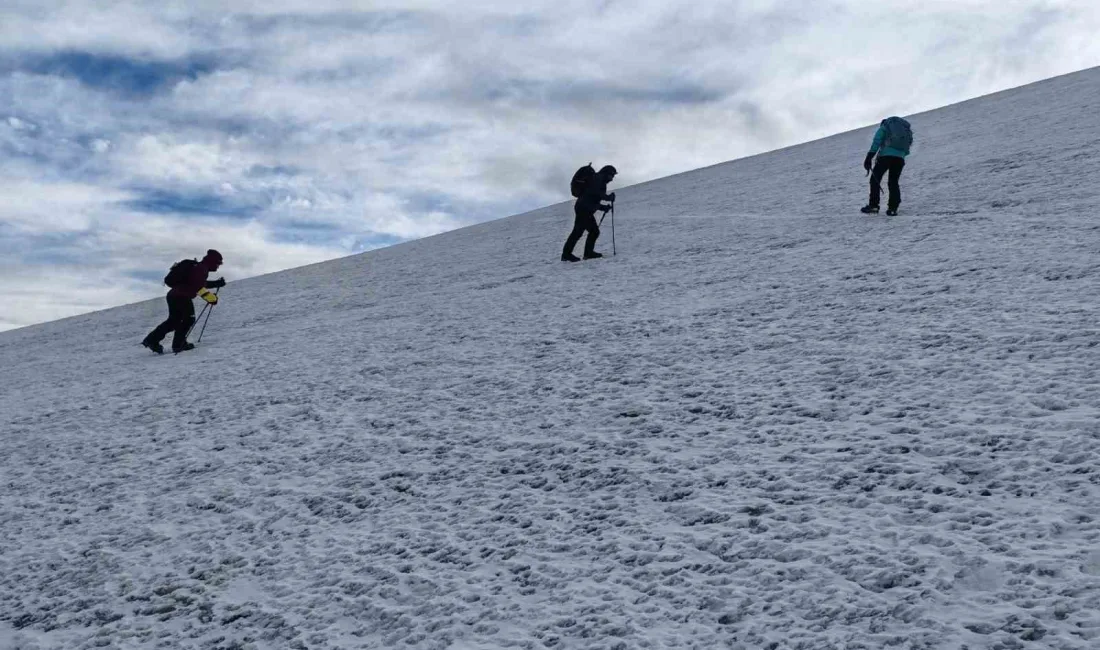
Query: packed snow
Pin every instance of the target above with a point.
(768, 422)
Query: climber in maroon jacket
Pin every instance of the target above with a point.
(187, 280)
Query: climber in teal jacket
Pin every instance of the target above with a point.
(891, 144)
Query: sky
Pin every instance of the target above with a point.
(287, 132)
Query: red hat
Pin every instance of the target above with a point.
(213, 256)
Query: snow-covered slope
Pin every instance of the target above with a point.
(769, 422)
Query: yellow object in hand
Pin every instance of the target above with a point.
(208, 296)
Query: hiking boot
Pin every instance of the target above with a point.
(569, 257)
(152, 345)
(891, 212)
(183, 348)
(869, 209)
(593, 255)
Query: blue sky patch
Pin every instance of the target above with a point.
(165, 201)
(672, 92)
(312, 226)
(312, 234)
(126, 76)
(273, 171)
(364, 22)
(53, 249)
(146, 275)
(375, 240)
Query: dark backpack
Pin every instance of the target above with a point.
(179, 273)
(899, 135)
(581, 179)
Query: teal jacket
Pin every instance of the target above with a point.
(876, 145)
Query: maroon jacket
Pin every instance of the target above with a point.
(195, 281)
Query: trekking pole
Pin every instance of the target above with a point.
(612, 211)
(207, 317)
(613, 253)
(192, 328)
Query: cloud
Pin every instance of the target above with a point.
(33, 207)
(112, 73)
(133, 133)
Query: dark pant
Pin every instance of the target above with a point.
(181, 316)
(894, 165)
(584, 221)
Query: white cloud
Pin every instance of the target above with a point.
(248, 248)
(140, 28)
(32, 296)
(36, 207)
(174, 158)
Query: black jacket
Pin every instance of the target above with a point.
(195, 281)
(595, 192)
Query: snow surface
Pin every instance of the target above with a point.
(770, 422)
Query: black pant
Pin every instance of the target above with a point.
(585, 220)
(894, 165)
(181, 316)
